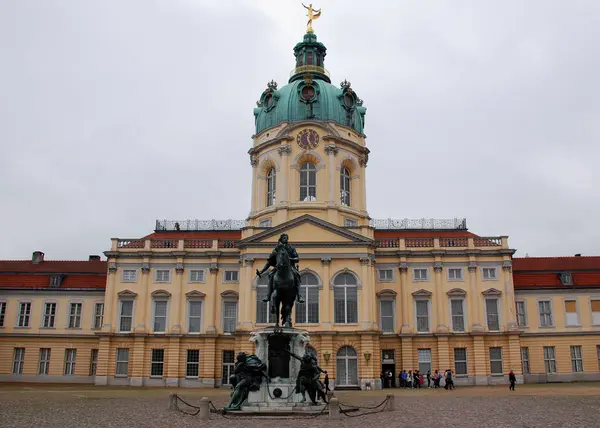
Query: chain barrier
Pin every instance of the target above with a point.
(347, 412)
(178, 398)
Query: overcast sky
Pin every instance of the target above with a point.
(115, 113)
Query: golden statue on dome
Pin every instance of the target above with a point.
(312, 15)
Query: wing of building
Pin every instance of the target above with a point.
(381, 295)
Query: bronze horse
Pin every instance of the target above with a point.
(284, 293)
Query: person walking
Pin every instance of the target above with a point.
(409, 379)
(428, 378)
(326, 382)
(513, 379)
(436, 380)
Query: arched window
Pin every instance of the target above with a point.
(263, 309)
(308, 182)
(345, 186)
(345, 296)
(346, 367)
(271, 187)
(308, 312)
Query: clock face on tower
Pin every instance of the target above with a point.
(307, 139)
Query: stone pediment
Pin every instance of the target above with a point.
(161, 293)
(195, 294)
(127, 294)
(307, 231)
(457, 292)
(492, 292)
(422, 293)
(230, 294)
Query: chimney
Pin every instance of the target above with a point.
(37, 257)
(94, 258)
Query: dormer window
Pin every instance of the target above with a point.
(56, 280)
(566, 278)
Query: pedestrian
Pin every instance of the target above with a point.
(436, 380)
(409, 379)
(326, 382)
(404, 379)
(513, 379)
(428, 378)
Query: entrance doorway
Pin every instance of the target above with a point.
(388, 366)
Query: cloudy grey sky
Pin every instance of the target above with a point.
(115, 113)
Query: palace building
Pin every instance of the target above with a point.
(173, 308)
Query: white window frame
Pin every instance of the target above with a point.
(567, 323)
(18, 360)
(26, 316)
(489, 269)
(153, 362)
(311, 167)
(465, 361)
(228, 367)
(129, 270)
(576, 358)
(224, 303)
(545, 300)
(305, 290)
(3, 306)
(393, 302)
(597, 322)
(45, 316)
(229, 281)
(501, 359)
(44, 361)
(525, 361)
(70, 361)
(386, 277)
(121, 363)
(464, 313)
(95, 317)
(189, 364)
(549, 359)
(188, 315)
(455, 269)
(345, 288)
(75, 317)
(498, 308)
(191, 280)
(526, 318)
(424, 299)
(271, 187)
(162, 270)
(420, 269)
(93, 361)
(156, 300)
(121, 315)
(345, 187)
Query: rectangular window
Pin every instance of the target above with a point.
(49, 315)
(19, 357)
(422, 315)
(162, 275)
(350, 222)
(24, 314)
(521, 310)
(93, 362)
(489, 273)
(160, 316)
(192, 367)
(576, 359)
(194, 316)
(55, 281)
(420, 274)
(308, 312)
(265, 222)
(126, 317)
(385, 274)
(550, 359)
(228, 365)
(595, 312)
(231, 276)
(460, 361)
(122, 368)
(44, 363)
(70, 357)
(571, 315)
(2, 313)
(458, 314)
(387, 315)
(455, 274)
(75, 315)
(197, 275)
(491, 310)
(98, 315)
(229, 316)
(157, 362)
(525, 360)
(545, 308)
(129, 275)
(424, 356)
(309, 58)
(496, 361)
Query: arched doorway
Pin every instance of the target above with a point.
(347, 367)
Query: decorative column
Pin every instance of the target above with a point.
(282, 186)
(245, 305)
(211, 307)
(509, 304)
(109, 295)
(255, 191)
(405, 293)
(101, 377)
(363, 173)
(481, 355)
(173, 356)
(177, 299)
(474, 298)
(441, 303)
(137, 361)
(365, 294)
(331, 151)
(141, 311)
(326, 307)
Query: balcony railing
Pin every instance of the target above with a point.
(197, 225)
(197, 243)
(387, 243)
(454, 242)
(419, 242)
(164, 243)
(488, 241)
(228, 243)
(130, 243)
(420, 224)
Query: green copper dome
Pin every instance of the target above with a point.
(309, 95)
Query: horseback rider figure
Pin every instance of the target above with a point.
(272, 262)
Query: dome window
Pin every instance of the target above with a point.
(308, 93)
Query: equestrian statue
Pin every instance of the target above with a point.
(284, 280)
(308, 378)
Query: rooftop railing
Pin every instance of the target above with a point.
(309, 69)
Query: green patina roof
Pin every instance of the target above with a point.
(324, 101)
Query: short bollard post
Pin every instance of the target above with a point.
(172, 401)
(334, 409)
(391, 402)
(329, 395)
(204, 409)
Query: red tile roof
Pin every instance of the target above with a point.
(532, 272)
(43, 281)
(53, 266)
(556, 264)
(76, 273)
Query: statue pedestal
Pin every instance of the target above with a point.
(279, 395)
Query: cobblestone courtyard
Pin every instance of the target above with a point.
(574, 405)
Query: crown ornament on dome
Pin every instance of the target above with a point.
(345, 84)
(272, 85)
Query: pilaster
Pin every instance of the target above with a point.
(211, 299)
(325, 295)
(176, 326)
(440, 299)
(137, 361)
(443, 352)
(405, 293)
(245, 302)
(103, 358)
(480, 355)
(475, 299)
(365, 295)
(109, 316)
(407, 353)
(331, 150)
(173, 358)
(144, 304)
(509, 303)
(514, 350)
(255, 190)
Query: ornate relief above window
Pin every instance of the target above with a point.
(161, 293)
(126, 294)
(458, 292)
(422, 293)
(195, 294)
(492, 292)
